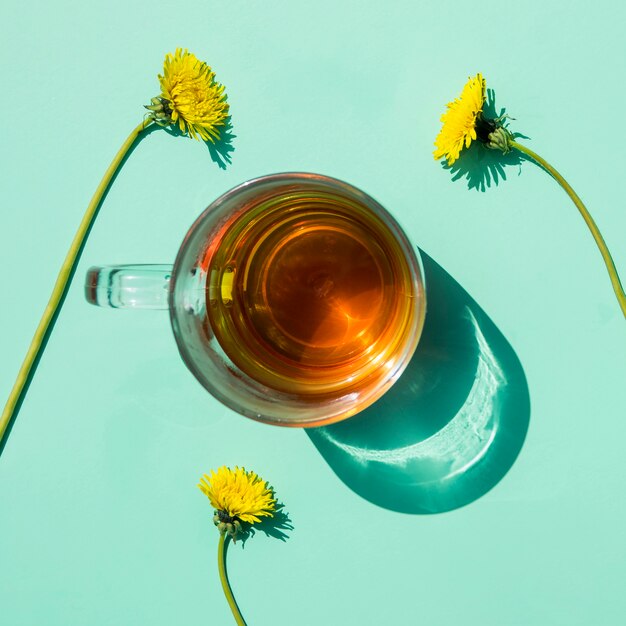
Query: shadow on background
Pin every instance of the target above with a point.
(451, 426)
(278, 526)
(480, 166)
(221, 150)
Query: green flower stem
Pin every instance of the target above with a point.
(62, 281)
(221, 564)
(604, 251)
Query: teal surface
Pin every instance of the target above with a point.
(100, 518)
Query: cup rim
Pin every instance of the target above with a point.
(417, 271)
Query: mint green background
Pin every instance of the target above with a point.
(100, 519)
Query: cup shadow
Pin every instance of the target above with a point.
(452, 425)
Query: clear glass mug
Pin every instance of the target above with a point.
(295, 299)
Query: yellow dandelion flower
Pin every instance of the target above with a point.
(190, 97)
(465, 121)
(238, 495)
(459, 121)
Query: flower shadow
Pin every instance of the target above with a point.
(278, 526)
(481, 166)
(221, 150)
(452, 425)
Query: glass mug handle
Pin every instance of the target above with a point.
(129, 286)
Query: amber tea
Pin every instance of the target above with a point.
(309, 293)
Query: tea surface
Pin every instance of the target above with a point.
(308, 293)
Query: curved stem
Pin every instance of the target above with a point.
(604, 251)
(221, 565)
(60, 287)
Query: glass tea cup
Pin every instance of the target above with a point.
(295, 299)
